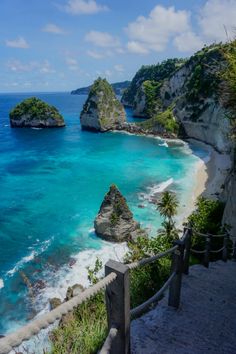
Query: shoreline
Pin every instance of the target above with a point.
(209, 176)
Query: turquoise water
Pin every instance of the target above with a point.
(52, 184)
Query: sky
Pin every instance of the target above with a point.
(60, 45)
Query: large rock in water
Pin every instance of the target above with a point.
(102, 111)
(35, 113)
(114, 221)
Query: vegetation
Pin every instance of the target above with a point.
(118, 87)
(151, 90)
(164, 121)
(207, 219)
(228, 91)
(155, 73)
(86, 330)
(35, 108)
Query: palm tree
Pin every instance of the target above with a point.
(167, 207)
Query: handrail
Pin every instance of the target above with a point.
(26, 332)
(151, 259)
(137, 311)
(207, 235)
(106, 348)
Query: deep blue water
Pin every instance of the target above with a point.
(52, 184)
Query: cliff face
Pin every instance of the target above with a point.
(102, 111)
(190, 96)
(33, 112)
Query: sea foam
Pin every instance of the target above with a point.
(1, 283)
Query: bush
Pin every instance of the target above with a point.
(207, 219)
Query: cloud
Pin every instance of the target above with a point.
(20, 42)
(119, 68)
(188, 42)
(153, 33)
(215, 17)
(102, 39)
(137, 47)
(72, 64)
(83, 7)
(95, 55)
(18, 66)
(52, 28)
(43, 67)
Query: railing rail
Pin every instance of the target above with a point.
(117, 285)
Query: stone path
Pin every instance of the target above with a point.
(205, 322)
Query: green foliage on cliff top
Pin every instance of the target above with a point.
(157, 73)
(35, 108)
(204, 78)
(164, 120)
(228, 91)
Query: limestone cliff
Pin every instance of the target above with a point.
(35, 113)
(187, 102)
(114, 221)
(102, 111)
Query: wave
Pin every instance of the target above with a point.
(77, 272)
(156, 189)
(35, 128)
(29, 257)
(1, 283)
(164, 144)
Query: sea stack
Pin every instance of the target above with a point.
(102, 111)
(34, 113)
(114, 221)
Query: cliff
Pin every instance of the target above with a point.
(114, 221)
(102, 111)
(33, 112)
(118, 87)
(186, 101)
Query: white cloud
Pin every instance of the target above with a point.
(78, 7)
(153, 33)
(20, 42)
(102, 39)
(137, 47)
(72, 64)
(95, 55)
(41, 67)
(215, 16)
(119, 68)
(45, 67)
(52, 28)
(188, 42)
(18, 66)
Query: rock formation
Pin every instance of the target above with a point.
(114, 221)
(35, 113)
(102, 111)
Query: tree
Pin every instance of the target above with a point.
(167, 207)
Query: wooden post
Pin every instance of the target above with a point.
(118, 306)
(225, 250)
(207, 251)
(187, 250)
(234, 251)
(177, 266)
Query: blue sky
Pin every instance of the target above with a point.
(59, 45)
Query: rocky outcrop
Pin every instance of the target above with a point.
(102, 111)
(114, 221)
(118, 87)
(34, 113)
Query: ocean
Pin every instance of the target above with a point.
(52, 184)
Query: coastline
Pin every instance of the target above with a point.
(209, 177)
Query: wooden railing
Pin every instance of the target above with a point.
(117, 291)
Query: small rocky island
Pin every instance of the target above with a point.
(102, 111)
(34, 113)
(114, 221)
